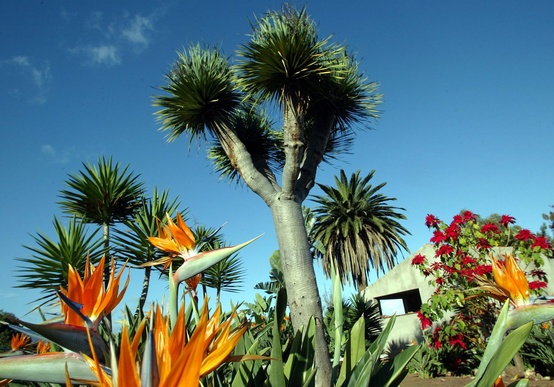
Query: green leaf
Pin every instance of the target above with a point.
(276, 367)
(354, 351)
(495, 340)
(203, 261)
(393, 372)
(299, 365)
(46, 368)
(504, 355)
(249, 373)
(281, 305)
(339, 320)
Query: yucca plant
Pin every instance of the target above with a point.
(102, 194)
(47, 267)
(131, 240)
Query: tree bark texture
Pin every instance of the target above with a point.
(298, 270)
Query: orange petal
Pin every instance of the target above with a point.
(127, 371)
(181, 232)
(167, 245)
(510, 277)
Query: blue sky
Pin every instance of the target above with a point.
(467, 119)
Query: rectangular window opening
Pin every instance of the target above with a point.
(400, 303)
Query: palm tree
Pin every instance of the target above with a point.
(132, 242)
(48, 265)
(318, 90)
(104, 195)
(358, 228)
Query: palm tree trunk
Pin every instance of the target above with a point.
(145, 287)
(302, 293)
(106, 236)
(107, 267)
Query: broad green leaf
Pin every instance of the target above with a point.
(504, 355)
(203, 261)
(339, 319)
(299, 365)
(355, 348)
(361, 373)
(495, 340)
(393, 372)
(276, 367)
(47, 368)
(249, 373)
(281, 305)
(520, 383)
(72, 337)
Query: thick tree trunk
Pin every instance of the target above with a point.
(303, 295)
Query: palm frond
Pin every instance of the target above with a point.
(200, 94)
(227, 275)
(47, 267)
(102, 194)
(358, 228)
(276, 277)
(345, 92)
(282, 61)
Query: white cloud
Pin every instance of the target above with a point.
(136, 32)
(105, 54)
(40, 77)
(118, 36)
(60, 157)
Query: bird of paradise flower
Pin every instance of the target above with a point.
(170, 358)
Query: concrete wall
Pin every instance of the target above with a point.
(403, 277)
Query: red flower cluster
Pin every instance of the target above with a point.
(540, 242)
(431, 221)
(462, 250)
(438, 237)
(523, 235)
(418, 259)
(537, 285)
(483, 244)
(444, 250)
(483, 269)
(425, 322)
(436, 338)
(457, 340)
(490, 228)
(505, 220)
